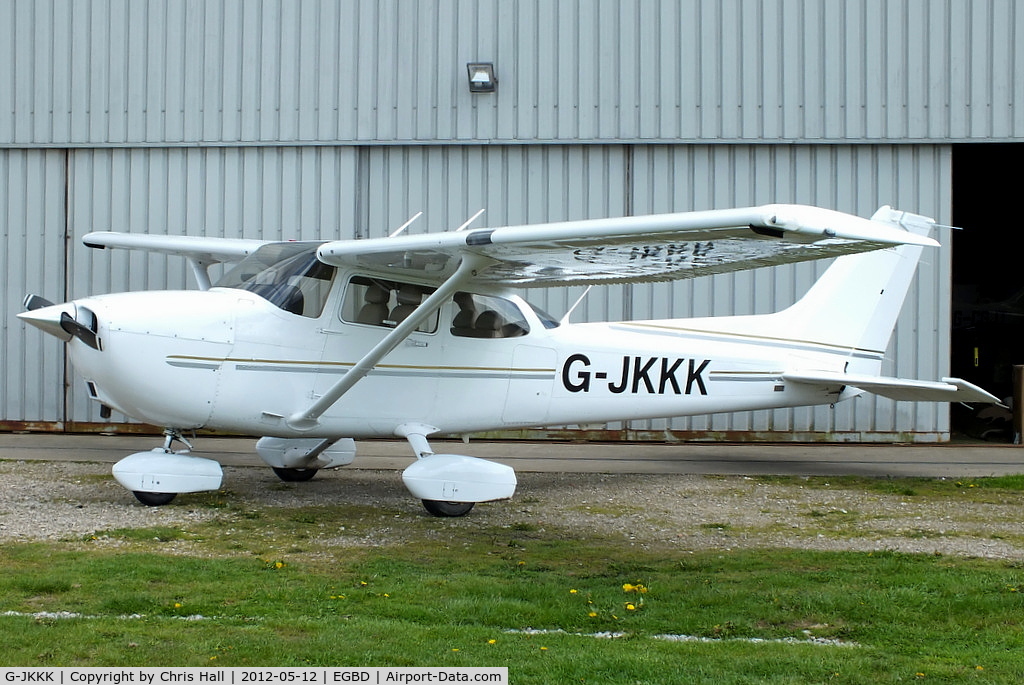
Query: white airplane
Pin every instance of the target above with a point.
(315, 344)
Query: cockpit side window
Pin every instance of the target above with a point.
(486, 316)
(288, 275)
(382, 302)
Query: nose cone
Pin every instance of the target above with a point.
(48, 319)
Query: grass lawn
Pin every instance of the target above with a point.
(551, 606)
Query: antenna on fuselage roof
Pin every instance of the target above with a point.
(406, 225)
(565, 319)
(469, 221)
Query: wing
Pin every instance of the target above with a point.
(206, 250)
(948, 390)
(201, 252)
(632, 249)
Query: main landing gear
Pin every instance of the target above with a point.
(294, 475)
(450, 484)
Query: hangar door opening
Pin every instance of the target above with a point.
(988, 282)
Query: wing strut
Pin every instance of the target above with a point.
(200, 269)
(309, 418)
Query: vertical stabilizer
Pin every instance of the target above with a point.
(857, 300)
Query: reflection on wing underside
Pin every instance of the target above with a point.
(650, 261)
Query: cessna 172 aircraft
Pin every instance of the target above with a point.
(315, 344)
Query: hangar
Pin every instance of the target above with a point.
(333, 119)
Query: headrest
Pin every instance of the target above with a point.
(375, 294)
(409, 294)
(488, 321)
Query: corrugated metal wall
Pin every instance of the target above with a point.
(155, 72)
(32, 256)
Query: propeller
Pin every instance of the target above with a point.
(34, 302)
(84, 333)
(58, 320)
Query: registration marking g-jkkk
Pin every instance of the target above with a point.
(638, 374)
(313, 345)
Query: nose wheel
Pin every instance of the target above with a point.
(159, 499)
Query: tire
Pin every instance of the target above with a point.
(294, 475)
(451, 509)
(154, 499)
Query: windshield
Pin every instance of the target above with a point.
(287, 275)
(545, 318)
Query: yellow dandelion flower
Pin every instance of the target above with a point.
(630, 607)
(592, 614)
(492, 641)
(628, 587)
(573, 591)
(177, 605)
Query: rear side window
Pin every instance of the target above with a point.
(486, 316)
(385, 303)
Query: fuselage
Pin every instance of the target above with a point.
(230, 359)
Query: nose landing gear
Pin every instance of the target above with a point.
(157, 476)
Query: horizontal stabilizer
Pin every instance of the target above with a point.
(946, 390)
